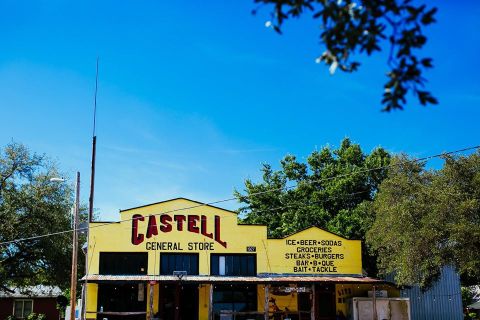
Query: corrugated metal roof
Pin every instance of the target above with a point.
(199, 204)
(32, 292)
(208, 279)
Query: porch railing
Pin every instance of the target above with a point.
(258, 315)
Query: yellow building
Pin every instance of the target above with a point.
(181, 259)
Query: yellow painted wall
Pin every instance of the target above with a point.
(155, 297)
(284, 302)
(91, 303)
(314, 251)
(203, 298)
(311, 251)
(116, 237)
(261, 298)
(289, 301)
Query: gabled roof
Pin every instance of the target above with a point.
(39, 291)
(314, 227)
(199, 204)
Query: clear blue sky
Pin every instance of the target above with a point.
(195, 95)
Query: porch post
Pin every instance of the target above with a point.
(374, 303)
(177, 300)
(266, 301)
(210, 302)
(151, 300)
(314, 303)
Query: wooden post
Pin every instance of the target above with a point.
(210, 303)
(374, 303)
(177, 300)
(314, 303)
(151, 285)
(266, 301)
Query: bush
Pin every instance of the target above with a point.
(36, 316)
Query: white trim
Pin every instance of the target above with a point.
(23, 307)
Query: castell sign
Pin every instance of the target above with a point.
(183, 223)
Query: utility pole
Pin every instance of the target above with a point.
(83, 316)
(73, 279)
(94, 151)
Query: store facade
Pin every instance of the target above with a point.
(181, 259)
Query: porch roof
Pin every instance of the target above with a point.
(231, 279)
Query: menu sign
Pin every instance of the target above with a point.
(314, 256)
(316, 251)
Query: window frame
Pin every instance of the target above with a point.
(230, 294)
(105, 254)
(172, 254)
(226, 272)
(23, 308)
(125, 298)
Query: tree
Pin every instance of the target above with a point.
(426, 219)
(31, 205)
(349, 27)
(333, 191)
(468, 295)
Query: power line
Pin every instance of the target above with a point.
(253, 194)
(102, 224)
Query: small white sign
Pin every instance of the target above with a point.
(141, 292)
(378, 294)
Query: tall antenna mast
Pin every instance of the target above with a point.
(94, 149)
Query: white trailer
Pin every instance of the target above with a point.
(386, 309)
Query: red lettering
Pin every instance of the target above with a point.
(152, 228)
(165, 221)
(166, 225)
(217, 232)
(204, 228)
(180, 219)
(137, 238)
(192, 223)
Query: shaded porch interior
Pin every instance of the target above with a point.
(242, 298)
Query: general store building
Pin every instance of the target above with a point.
(181, 259)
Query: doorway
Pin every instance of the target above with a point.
(325, 302)
(178, 301)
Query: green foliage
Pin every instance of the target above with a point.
(468, 294)
(470, 316)
(473, 315)
(332, 190)
(36, 316)
(426, 219)
(351, 27)
(31, 205)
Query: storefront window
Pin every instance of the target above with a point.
(122, 297)
(123, 263)
(233, 265)
(170, 262)
(236, 298)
